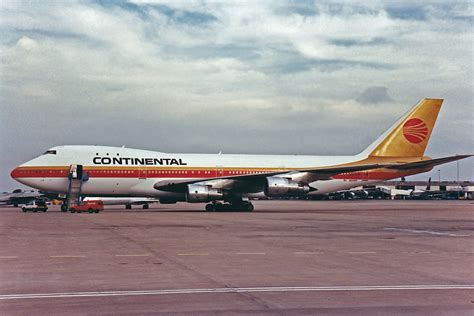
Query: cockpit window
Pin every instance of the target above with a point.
(50, 152)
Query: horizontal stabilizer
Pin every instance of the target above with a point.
(429, 163)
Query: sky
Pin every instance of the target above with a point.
(261, 77)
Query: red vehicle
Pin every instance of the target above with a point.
(88, 206)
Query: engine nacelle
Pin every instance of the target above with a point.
(276, 186)
(198, 193)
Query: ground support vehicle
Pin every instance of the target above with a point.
(35, 206)
(88, 206)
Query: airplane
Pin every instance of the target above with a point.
(349, 194)
(428, 194)
(227, 181)
(127, 201)
(18, 197)
(420, 193)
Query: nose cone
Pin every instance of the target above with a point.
(19, 175)
(15, 174)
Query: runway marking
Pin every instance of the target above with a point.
(68, 256)
(308, 253)
(194, 254)
(250, 253)
(239, 290)
(416, 231)
(362, 252)
(135, 255)
(8, 257)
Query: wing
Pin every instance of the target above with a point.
(256, 180)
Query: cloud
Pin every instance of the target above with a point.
(263, 77)
(374, 95)
(27, 43)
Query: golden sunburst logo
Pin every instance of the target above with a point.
(415, 130)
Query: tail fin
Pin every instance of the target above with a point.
(410, 135)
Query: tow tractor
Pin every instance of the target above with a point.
(94, 206)
(35, 206)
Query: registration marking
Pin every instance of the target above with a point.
(241, 290)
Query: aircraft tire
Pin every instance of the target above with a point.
(128, 206)
(248, 206)
(210, 207)
(146, 206)
(23, 209)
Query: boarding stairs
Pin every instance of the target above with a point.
(76, 179)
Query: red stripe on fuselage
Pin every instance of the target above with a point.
(191, 173)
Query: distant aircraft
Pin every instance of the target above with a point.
(216, 178)
(421, 194)
(428, 194)
(349, 194)
(18, 197)
(127, 201)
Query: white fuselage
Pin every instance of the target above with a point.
(115, 171)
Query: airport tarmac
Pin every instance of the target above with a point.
(285, 258)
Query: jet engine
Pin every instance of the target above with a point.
(198, 193)
(276, 186)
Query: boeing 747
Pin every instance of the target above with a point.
(226, 181)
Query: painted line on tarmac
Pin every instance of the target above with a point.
(8, 257)
(135, 255)
(194, 254)
(362, 252)
(239, 290)
(307, 253)
(68, 256)
(430, 232)
(251, 253)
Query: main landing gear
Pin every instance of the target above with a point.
(230, 207)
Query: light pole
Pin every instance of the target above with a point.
(439, 177)
(457, 178)
(457, 171)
